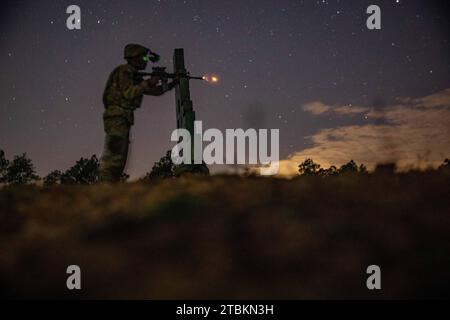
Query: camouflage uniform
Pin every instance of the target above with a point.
(123, 94)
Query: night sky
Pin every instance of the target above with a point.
(336, 90)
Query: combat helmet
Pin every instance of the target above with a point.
(135, 50)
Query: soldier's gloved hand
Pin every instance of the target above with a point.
(168, 86)
(173, 84)
(153, 81)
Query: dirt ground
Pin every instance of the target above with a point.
(230, 237)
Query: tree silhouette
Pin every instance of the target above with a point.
(3, 166)
(349, 167)
(331, 171)
(308, 168)
(363, 169)
(352, 167)
(20, 171)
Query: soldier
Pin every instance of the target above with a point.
(123, 94)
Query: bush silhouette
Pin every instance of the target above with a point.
(162, 169)
(53, 178)
(445, 167)
(85, 171)
(385, 168)
(310, 168)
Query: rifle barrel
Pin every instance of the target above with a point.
(169, 75)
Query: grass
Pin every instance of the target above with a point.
(230, 237)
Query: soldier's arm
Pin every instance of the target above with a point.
(160, 89)
(130, 90)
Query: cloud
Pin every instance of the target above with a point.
(415, 134)
(439, 99)
(320, 108)
(349, 109)
(316, 107)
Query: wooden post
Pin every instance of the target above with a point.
(185, 111)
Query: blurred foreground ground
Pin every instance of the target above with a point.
(230, 237)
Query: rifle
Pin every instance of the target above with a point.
(161, 73)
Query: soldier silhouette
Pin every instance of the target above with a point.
(123, 94)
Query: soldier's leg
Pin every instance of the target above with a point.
(114, 158)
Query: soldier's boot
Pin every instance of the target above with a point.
(111, 168)
(114, 159)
